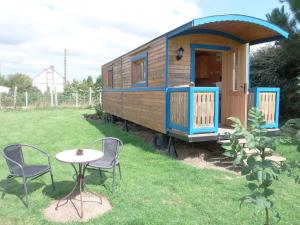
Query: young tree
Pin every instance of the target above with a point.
(258, 168)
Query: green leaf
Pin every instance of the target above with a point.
(227, 146)
(246, 170)
(268, 192)
(262, 202)
(252, 186)
(251, 161)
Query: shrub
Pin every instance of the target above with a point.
(99, 111)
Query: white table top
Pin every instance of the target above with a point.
(69, 156)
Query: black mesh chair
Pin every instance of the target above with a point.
(110, 147)
(13, 155)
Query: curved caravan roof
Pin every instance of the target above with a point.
(244, 29)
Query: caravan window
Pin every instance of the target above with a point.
(139, 69)
(110, 76)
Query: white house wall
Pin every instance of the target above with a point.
(49, 79)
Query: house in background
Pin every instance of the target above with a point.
(4, 89)
(50, 80)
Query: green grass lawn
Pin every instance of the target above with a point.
(155, 189)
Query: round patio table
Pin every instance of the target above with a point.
(72, 157)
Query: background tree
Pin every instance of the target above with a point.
(22, 81)
(295, 7)
(279, 65)
(2, 80)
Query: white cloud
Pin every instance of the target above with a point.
(33, 34)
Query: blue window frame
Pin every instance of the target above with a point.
(203, 46)
(257, 91)
(139, 70)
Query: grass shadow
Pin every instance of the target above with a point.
(16, 188)
(94, 178)
(62, 188)
(115, 130)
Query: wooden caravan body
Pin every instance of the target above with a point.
(187, 82)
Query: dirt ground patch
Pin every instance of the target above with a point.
(201, 154)
(67, 213)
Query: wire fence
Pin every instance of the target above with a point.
(13, 100)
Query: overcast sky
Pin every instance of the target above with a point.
(34, 33)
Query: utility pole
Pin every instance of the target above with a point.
(65, 67)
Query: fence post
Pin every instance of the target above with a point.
(90, 99)
(56, 103)
(26, 100)
(51, 98)
(76, 96)
(100, 97)
(15, 97)
(0, 101)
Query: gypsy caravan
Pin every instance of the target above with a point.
(187, 82)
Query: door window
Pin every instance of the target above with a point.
(235, 64)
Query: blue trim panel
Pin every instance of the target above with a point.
(133, 89)
(178, 127)
(190, 129)
(139, 56)
(167, 107)
(190, 111)
(213, 129)
(203, 46)
(258, 90)
(135, 58)
(212, 32)
(241, 18)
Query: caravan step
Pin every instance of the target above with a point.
(241, 141)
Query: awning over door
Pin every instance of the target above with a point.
(244, 29)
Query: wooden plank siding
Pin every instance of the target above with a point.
(267, 106)
(146, 108)
(117, 73)
(112, 103)
(179, 108)
(204, 111)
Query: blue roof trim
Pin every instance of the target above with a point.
(242, 18)
(180, 29)
(213, 32)
(231, 17)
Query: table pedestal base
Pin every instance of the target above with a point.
(77, 190)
